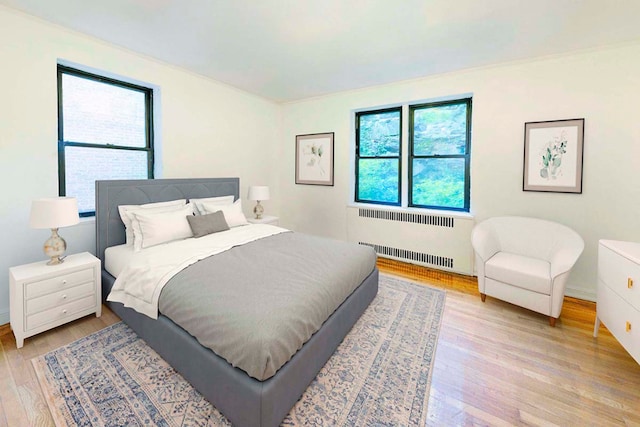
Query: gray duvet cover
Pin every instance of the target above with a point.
(256, 304)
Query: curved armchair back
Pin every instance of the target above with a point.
(532, 237)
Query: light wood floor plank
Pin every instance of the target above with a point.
(35, 406)
(13, 412)
(496, 364)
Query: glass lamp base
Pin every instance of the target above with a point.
(54, 247)
(258, 210)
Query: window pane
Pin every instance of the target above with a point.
(378, 180)
(380, 134)
(438, 182)
(440, 130)
(100, 113)
(86, 165)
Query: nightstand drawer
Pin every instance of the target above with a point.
(65, 281)
(620, 274)
(622, 320)
(61, 312)
(56, 299)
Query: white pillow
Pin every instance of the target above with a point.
(155, 228)
(232, 213)
(149, 207)
(222, 200)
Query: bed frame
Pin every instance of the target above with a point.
(244, 400)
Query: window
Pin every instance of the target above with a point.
(378, 150)
(438, 156)
(105, 131)
(439, 137)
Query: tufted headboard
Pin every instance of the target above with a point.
(111, 194)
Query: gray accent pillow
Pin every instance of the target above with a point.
(201, 225)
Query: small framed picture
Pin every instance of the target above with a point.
(553, 156)
(314, 159)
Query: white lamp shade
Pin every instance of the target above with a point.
(54, 212)
(258, 192)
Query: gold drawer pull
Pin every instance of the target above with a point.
(629, 283)
(628, 327)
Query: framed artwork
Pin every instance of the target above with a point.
(314, 159)
(553, 156)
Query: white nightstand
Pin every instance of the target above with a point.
(266, 219)
(45, 296)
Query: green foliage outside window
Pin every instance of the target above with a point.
(380, 134)
(378, 180)
(438, 182)
(379, 142)
(440, 130)
(439, 155)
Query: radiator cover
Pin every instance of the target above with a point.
(437, 241)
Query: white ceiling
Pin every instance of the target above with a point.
(287, 50)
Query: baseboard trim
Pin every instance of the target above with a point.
(581, 293)
(4, 317)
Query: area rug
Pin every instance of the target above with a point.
(379, 375)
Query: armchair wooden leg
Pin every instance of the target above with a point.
(483, 297)
(552, 321)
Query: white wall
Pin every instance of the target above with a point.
(601, 86)
(207, 129)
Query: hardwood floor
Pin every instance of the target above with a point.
(496, 364)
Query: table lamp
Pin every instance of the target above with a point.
(258, 193)
(53, 213)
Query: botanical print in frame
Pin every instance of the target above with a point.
(314, 159)
(553, 156)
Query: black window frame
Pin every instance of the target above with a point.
(62, 144)
(466, 156)
(358, 157)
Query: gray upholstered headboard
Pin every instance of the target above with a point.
(111, 194)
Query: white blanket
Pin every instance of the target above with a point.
(139, 284)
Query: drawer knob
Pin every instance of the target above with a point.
(64, 282)
(65, 312)
(629, 283)
(64, 296)
(628, 327)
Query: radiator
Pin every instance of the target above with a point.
(437, 241)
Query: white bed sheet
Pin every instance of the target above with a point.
(116, 258)
(139, 284)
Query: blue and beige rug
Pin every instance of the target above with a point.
(379, 375)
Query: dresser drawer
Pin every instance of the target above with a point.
(622, 320)
(59, 298)
(620, 274)
(58, 314)
(64, 281)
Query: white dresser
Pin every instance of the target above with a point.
(45, 296)
(619, 293)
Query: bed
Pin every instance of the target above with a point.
(244, 400)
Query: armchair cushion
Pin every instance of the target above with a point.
(521, 271)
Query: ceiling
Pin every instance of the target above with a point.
(287, 50)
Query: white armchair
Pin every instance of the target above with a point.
(525, 261)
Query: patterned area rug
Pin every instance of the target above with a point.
(379, 375)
